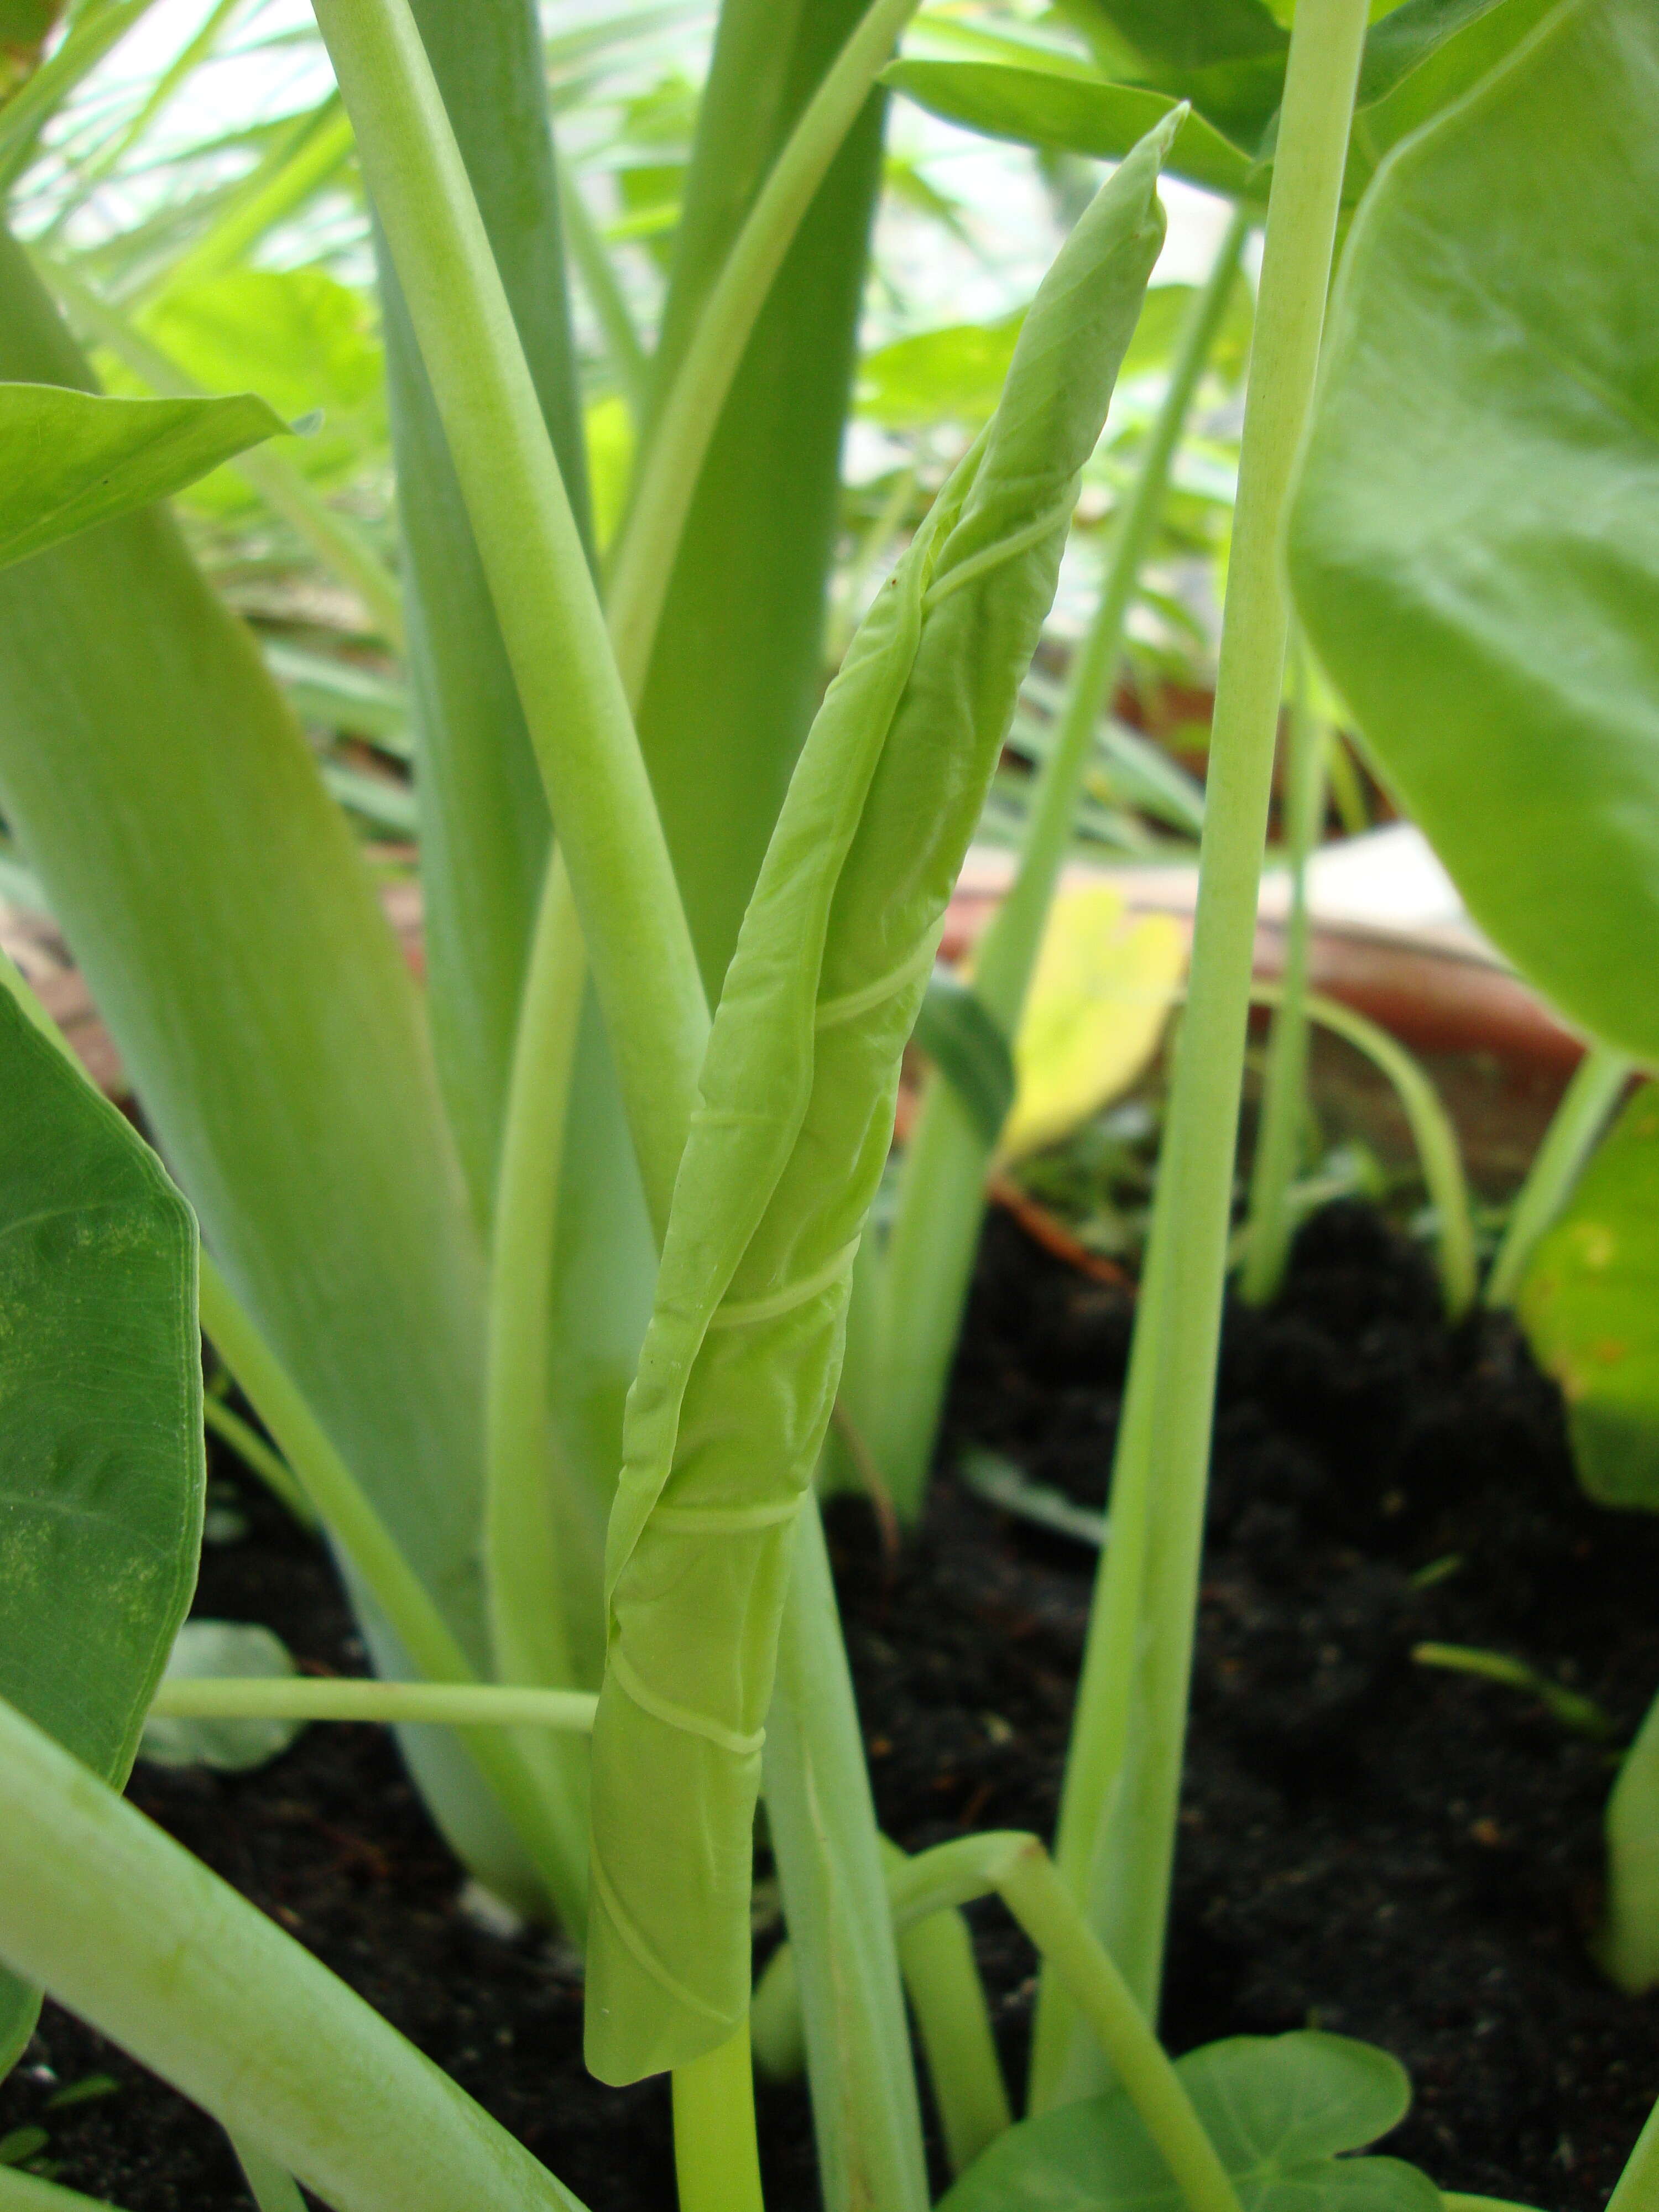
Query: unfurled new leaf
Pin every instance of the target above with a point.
(101, 1472)
(68, 460)
(740, 1364)
(1279, 2110)
(1475, 547)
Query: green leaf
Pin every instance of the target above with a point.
(739, 1367)
(1186, 34)
(206, 1649)
(1589, 1303)
(101, 1419)
(303, 338)
(73, 460)
(960, 1035)
(1417, 59)
(949, 375)
(1475, 547)
(1065, 113)
(1279, 2110)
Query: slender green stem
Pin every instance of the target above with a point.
(1284, 1094)
(1636, 2189)
(1019, 1871)
(1598, 1083)
(1118, 1810)
(251, 1447)
(686, 420)
(822, 1824)
(274, 2189)
(308, 1698)
(716, 2158)
(336, 541)
(622, 348)
(524, 1574)
(1433, 1132)
(122, 1925)
(953, 2021)
(930, 1253)
(575, 702)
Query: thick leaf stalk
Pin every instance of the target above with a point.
(739, 1371)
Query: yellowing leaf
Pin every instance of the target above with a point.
(1104, 982)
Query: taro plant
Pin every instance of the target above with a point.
(624, 1146)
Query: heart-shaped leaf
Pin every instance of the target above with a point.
(1062, 113)
(1475, 547)
(1590, 1304)
(73, 458)
(1419, 58)
(1280, 2111)
(101, 1472)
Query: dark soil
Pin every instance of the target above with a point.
(1397, 1853)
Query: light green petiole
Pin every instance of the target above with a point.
(1433, 1132)
(1598, 1083)
(1118, 1811)
(1283, 1090)
(574, 702)
(716, 2161)
(308, 1698)
(274, 2189)
(524, 1576)
(923, 1285)
(674, 455)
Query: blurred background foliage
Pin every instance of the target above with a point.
(194, 201)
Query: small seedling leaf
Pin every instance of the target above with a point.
(73, 458)
(101, 1419)
(205, 1649)
(1589, 1303)
(1280, 2111)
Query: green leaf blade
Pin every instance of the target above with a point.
(1475, 547)
(1064, 114)
(101, 1419)
(74, 459)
